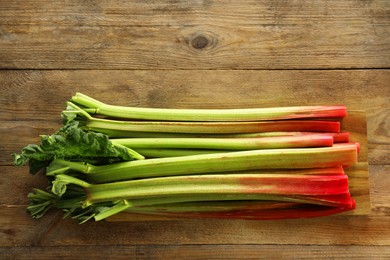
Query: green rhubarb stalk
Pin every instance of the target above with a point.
(162, 153)
(70, 203)
(228, 143)
(119, 206)
(339, 154)
(87, 122)
(342, 137)
(175, 152)
(94, 106)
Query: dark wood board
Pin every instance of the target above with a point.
(247, 34)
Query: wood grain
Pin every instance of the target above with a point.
(176, 13)
(200, 252)
(18, 229)
(37, 94)
(16, 183)
(194, 34)
(379, 188)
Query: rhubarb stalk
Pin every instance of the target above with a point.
(218, 187)
(94, 106)
(228, 143)
(339, 154)
(102, 125)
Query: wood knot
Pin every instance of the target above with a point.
(199, 42)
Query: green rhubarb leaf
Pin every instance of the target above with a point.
(74, 144)
(74, 113)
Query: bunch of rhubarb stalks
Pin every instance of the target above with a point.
(257, 163)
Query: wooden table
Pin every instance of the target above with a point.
(192, 54)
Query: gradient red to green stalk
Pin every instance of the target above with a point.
(94, 106)
(325, 190)
(275, 184)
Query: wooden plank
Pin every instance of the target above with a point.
(359, 187)
(199, 252)
(194, 34)
(355, 123)
(17, 228)
(379, 154)
(169, 13)
(379, 133)
(36, 94)
(379, 188)
(16, 183)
